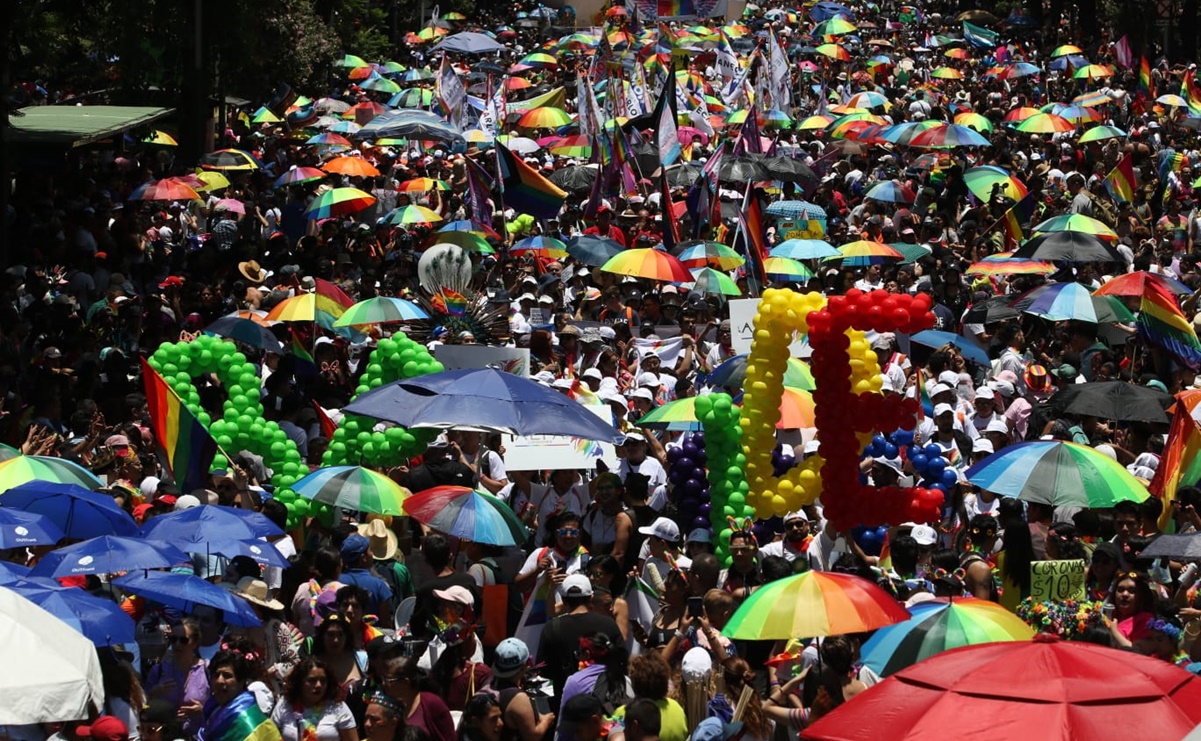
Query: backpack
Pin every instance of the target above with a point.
(1103, 210)
(610, 696)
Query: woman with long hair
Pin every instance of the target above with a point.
(310, 709)
(671, 620)
(454, 675)
(333, 645)
(1133, 602)
(482, 719)
(123, 695)
(403, 681)
(1017, 551)
(738, 676)
(605, 572)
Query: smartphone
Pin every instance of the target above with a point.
(696, 607)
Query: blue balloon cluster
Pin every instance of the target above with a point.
(870, 539)
(686, 471)
(928, 462)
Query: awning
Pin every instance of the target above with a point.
(77, 126)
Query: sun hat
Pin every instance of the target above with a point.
(255, 592)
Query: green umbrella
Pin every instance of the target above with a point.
(1057, 474)
(381, 310)
(1097, 133)
(911, 252)
(354, 488)
(713, 281)
(25, 468)
(678, 415)
(469, 241)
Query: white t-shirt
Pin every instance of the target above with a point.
(328, 720)
(649, 467)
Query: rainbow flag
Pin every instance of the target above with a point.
(1180, 464)
(524, 189)
(187, 445)
(1020, 213)
(450, 302)
(1144, 87)
(1121, 181)
(1189, 92)
(1160, 321)
(750, 225)
(240, 720)
(580, 392)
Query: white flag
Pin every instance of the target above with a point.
(781, 75)
(451, 91)
(492, 117)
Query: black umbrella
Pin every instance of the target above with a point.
(790, 170)
(574, 179)
(1117, 400)
(1069, 247)
(683, 176)
(744, 168)
(990, 311)
(488, 68)
(1181, 547)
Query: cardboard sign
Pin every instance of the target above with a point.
(539, 452)
(742, 327)
(803, 229)
(513, 360)
(1057, 580)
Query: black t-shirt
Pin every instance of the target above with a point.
(560, 643)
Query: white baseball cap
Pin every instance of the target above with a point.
(941, 409)
(663, 529)
(924, 534)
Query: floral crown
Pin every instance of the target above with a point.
(1167, 627)
(1068, 619)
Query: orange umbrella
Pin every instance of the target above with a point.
(351, 166)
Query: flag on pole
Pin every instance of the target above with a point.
(1121, 50)
(525, 189)
(979, 37)
(186, 443)
(1160, 321)
(671, 225)
(1180, 464)
(1019, 214)
(1121, 181)
(1145, 86)
(666, 134)
(750, 226)
(643, 603)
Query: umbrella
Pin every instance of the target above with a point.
(981, 181)
(676, 416)
(1116, 400)
(230, 160)
(648, 263)
(422, 185)
(412, 214)
(185, 592)
(825, 10)
(974, 121)
(10, 571)
(804, 249)
(834, 51)
(784, 268)
(891, 191)
(247, 332)
(990, 311)
(353, 488)
(1139, 282)
(20, 529)
(1045, 123)
(545, 117)
(797, 410)
(732, 374)
(260, 551)
(52, 672)
(108, 554)
(703, 253)
(936, 339)
(78, 512)
(910, 253)
(1057, 474)
(949, 136)
(351, 167)
(1076, 223)
(468, 515)
(1093, 72)
(329, 139)
(795, 210)
(100, 620)
(1178, 547)
(299, 176)
(468, 42)
(789, 170)
(546, 246)
(307, 307)
(575, 179)
(26, 468)
(1003, 263)
(381, 310)
(744, 168)
(410, 124)
(1043, 689)
(708, 280)
(210, 522)
(812, 604)
(483, 399)
(339, 202)
(167, 189)
(1060, 302)
(938, 626)
(1068, 247)
(865, 252)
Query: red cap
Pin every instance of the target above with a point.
(106, 728)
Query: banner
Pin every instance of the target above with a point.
(1057, 580)
(538, 452)
(515, 360)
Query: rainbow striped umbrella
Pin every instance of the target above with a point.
(974, 121)
(573, 146)
(648, 263)
(329, 140)
(1099, 133)
(957, 54)
(947, 73)
(1139, 282)
(23, 469)
(940, 625)
(708, 280)
(675, 416)
(1077, 223)
(1078, 114)
(467, 514)
(350, 60)
(545, 117)
(1092, 72)
(904, 133)
(381, 310)
(1045, 123)
(161, 138)
(539, 59)
(1020, 69)
(380, 85)
(784, 268)
(797, 410)
(339, 202)
(981, 180)
(547, 246)
(299, 176)
(814, 122)
(469, 241)
(705, 253)
(732, 374)
(865, 252)
(1021, 114)
(1061, 302)
(891, 191)
(412, 214)
(354, 488)
(1065, 50)
(948, 136)
(167, 189)
(834, 51)
(867, 99)
(812, 604)
(423, 185)
(804, 249)
(307, 307)
(836, 26)
(1004, 263)
(1057, 474)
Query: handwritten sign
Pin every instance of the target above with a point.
(802, 228)
(1057, 580)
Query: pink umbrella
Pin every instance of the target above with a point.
(549, 141)
(230, 204)
(687, 135)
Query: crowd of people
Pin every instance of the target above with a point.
(383, 629)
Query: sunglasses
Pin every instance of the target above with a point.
(181, 640)
(797, 524)
(569, 532)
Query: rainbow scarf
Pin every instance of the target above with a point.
(240, 719)
(189, 447)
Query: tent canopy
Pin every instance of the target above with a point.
(76, 126)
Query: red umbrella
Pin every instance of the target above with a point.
(1045, 689)
(1136, 284)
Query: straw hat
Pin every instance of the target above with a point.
(252, 271)
(255, 591)
(383, 540)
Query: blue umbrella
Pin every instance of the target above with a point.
(824, 11)
(78, 512)
(795, 210)
(260, 551)
(411, 124)
(108, 554)
(10, 571)
(1075, 61)
(101, 621)
(593, 250)
(210, 522)
(468, 42)
(936, 339)
(185, 592)
(19, 529)
(482, 399)
(804, 249)
(247, 332)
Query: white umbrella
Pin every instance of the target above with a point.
(50, 671)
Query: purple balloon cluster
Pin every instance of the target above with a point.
(686, 472)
